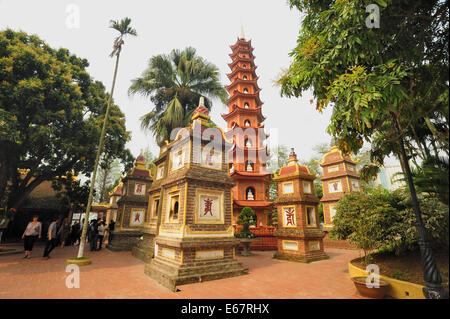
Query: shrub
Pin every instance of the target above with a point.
(382, 219)
(246, 218)
(368, 221)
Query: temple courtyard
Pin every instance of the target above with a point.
(120, 275)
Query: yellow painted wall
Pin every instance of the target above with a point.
(398, 289)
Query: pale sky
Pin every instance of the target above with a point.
(210, 26)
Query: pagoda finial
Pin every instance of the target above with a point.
(242, 36)
(292, 157)
(201, 111)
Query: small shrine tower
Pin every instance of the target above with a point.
(248, 157)
(340, 177)
(298, 231)
(195, 241)
(132, 207)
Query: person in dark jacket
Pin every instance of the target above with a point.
(74, 233)
(111, 226)
(93, 234)
(52, 239)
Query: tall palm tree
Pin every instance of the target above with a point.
(174, 83)
(124, 28)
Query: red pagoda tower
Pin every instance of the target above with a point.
(248, 157)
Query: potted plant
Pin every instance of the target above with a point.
(246, 218)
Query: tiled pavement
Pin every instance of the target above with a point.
(120, 275)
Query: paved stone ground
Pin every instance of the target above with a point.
(120, 275)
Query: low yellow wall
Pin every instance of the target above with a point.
(398, 289)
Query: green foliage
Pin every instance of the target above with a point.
(321, 218)
(369, 222)
(432, 178)
(398, 274)
(174, 83)
(375, 78)
(71, 192)
(273, 217)
(52, 113)
(246, 218)
(385, 220)
(150, 158)
(108, 172)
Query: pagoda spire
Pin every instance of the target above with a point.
(242, 35)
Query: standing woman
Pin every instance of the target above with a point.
(31, 233)
(101, 233)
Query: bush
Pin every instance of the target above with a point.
(382, 219)
(368, 221)
(246, 218)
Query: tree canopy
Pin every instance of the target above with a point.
(374, 77)
(51, 113)
(174, 83)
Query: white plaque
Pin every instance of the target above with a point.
(169, 253)
(289, 219)
(137, 217)
(209, 254)
(290, 245)
(314, 245)
(335, 187)
(209, 208)
(139, 189)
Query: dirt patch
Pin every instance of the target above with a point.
(408, 266)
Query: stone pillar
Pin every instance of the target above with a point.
(340, 177)
(132, 208)
(299, 237)
(195, 240)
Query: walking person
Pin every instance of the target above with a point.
(111, 226)
(101, 233)
(52, 239)
(74, 233)
(30, 235)
(93, 232)
(63, 232)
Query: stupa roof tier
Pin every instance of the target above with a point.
(242, 81)
(240, 110)
(230, 131)
(248, 149)
(336, 156)
(241, 43)
(236, 94)
(253, 203)
(294, 169)
(241, 50)
(237, 69)
(242, 59)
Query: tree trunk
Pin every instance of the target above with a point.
(97, 159)
(433, 280)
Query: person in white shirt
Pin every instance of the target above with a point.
(31, 233)
(101, 233)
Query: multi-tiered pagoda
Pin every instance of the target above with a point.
(244, 122)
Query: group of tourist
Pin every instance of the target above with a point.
(62, 233)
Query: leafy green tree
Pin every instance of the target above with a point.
(71, 192)
(369, 222)
(246, 218)
(51, 112)
(388, 86)
(432, 178)
(174, 83)
(124, 29)
(150, 158)
(108, 173)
